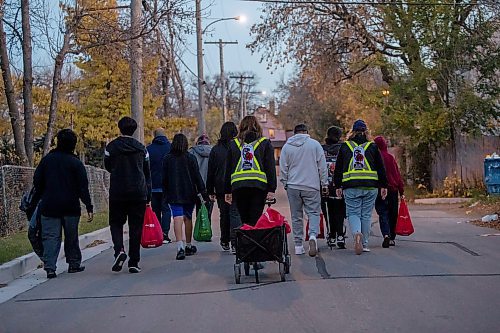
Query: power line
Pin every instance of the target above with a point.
(369, 3)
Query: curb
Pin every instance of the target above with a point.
(438, 201)
(18, 267)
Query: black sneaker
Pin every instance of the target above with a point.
(51, 274)
(190, 250)
(341, 242)
(233, 249)
(331, 241)
(386, 242)
(166, 240)
(392, 242)
(119, 261)
(134, 269)
(181, 255)
(76, 269)
(225, 246)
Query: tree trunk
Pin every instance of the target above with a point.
(56, 82)
(27, 81)
(15, 118)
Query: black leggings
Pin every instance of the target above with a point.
(250, 202)
(335, 215)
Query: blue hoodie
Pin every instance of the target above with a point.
(157, 151)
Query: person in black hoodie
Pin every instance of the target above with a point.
(229, 217)
(358, 175)
(61, 181)
(130, 190)
(333, 208)
(157, 150)
(250, 171)
(182, 183)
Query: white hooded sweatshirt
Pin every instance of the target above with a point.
(303, 164)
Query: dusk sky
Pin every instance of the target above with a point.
(236, 57)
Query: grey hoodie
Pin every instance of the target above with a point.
(303, 164)
(202, 152)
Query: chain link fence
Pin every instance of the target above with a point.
(16, 180)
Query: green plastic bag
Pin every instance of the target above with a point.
(202, 228)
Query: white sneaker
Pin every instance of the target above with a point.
(313, 246)
(366, 249)
(299, 250)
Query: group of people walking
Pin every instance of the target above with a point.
(342, 179)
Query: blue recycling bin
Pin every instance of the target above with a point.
(492, 174)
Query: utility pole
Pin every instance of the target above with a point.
(222, 76)
(201, 81)
(137, 95)
(241, 82)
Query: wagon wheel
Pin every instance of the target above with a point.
(237, 273)
(282, 268)
(288, 263)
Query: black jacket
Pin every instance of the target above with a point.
(372, 154)
(61, 180)
(128, 162)
(157, 152)
(182, 180)
(331, 153)
(265, 157)
(217, 169)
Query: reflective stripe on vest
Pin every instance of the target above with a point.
(255, 172)
(366, 173)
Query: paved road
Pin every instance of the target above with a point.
(444, 278)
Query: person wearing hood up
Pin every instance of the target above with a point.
(202, 151)
(250, 171)
(387, 209)
(333, 208)
(157, 150)
(359, 174)
(304, 174)
(127, 160)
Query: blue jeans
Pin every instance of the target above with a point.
(359, 204)
(162, 211)
(51, 238)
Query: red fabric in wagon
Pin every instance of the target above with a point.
(270, 219)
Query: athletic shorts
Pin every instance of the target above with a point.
(182, 210)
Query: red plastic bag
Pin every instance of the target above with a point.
(404, 227)
(152, 234)
(321, 228)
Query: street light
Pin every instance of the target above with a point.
(199, 56)
(240, 18)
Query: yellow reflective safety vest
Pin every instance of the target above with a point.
(248, 167)
(359, 167)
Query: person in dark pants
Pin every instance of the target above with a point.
(202, 151)
(182, 183)
(130, 190)
(229, 217)
(336, 206)
(250, 171)
(157, 150)
(387, 209)
(61, 180)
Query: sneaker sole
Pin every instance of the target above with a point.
(134, 270)
(358, 247)
(341, 245)
(313, 248)
(119, 261)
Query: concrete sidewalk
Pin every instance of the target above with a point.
(443, 278)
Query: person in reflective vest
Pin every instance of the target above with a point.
(251, 171)
(358, 175)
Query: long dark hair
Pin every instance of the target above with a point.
(228, 132)
(249, 124)
(179, 144)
